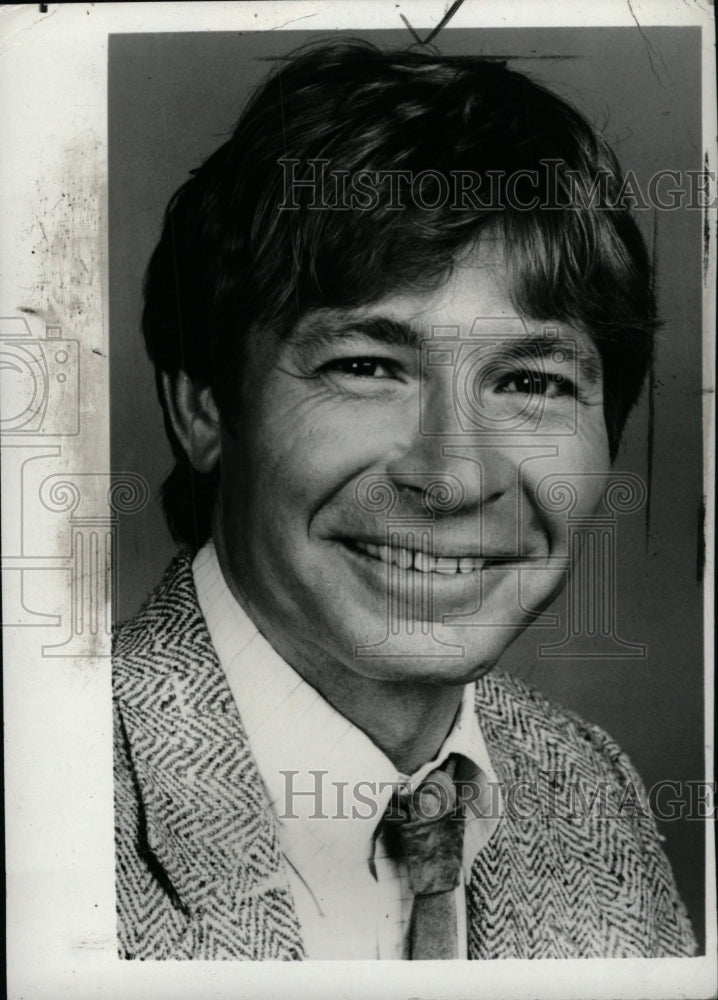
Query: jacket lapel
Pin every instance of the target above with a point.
(208, 821)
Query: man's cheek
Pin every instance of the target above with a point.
(331, 420)
(314, 462)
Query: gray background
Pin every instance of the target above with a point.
(174, 98)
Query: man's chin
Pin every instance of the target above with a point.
(453, 651)
(443, 657)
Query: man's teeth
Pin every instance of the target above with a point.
(421, 561)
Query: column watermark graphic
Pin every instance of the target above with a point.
(408, 542)
(39, 409)
(592, 612)
(501, 405)
(93, 503)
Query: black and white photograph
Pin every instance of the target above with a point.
(358, 369)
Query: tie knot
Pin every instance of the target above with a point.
(427, 830)
(434, 799)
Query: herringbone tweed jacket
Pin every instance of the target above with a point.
(199, 870)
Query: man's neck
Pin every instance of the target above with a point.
(407, 721)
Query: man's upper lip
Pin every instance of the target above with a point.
(450, 551)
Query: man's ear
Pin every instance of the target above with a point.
(194, 417)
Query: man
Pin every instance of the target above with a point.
(390, 319)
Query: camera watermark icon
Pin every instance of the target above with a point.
(39, 381)
(502, 378)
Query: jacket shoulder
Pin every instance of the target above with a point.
(577, 833)
(167, 618)
(525, 725)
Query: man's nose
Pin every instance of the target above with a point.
(475, 468)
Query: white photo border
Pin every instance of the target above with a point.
(58, 770)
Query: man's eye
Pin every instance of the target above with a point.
(535, 383)
(363, 367)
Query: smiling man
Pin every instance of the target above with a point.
(388, 317)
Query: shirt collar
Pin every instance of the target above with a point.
(315, 764)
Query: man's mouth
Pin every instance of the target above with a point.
(423, 562)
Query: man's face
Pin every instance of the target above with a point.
(383, 504)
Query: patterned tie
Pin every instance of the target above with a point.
(427, 830)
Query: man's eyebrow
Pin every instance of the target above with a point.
(322, 330)
(558, 349)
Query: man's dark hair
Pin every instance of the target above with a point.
(240, 251)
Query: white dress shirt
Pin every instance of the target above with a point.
(329, 785)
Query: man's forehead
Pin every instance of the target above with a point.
(472, 300)
(475, 285)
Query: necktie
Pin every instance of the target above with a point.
(426, 829)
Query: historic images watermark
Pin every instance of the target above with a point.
(552, 794)
(552, 186)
